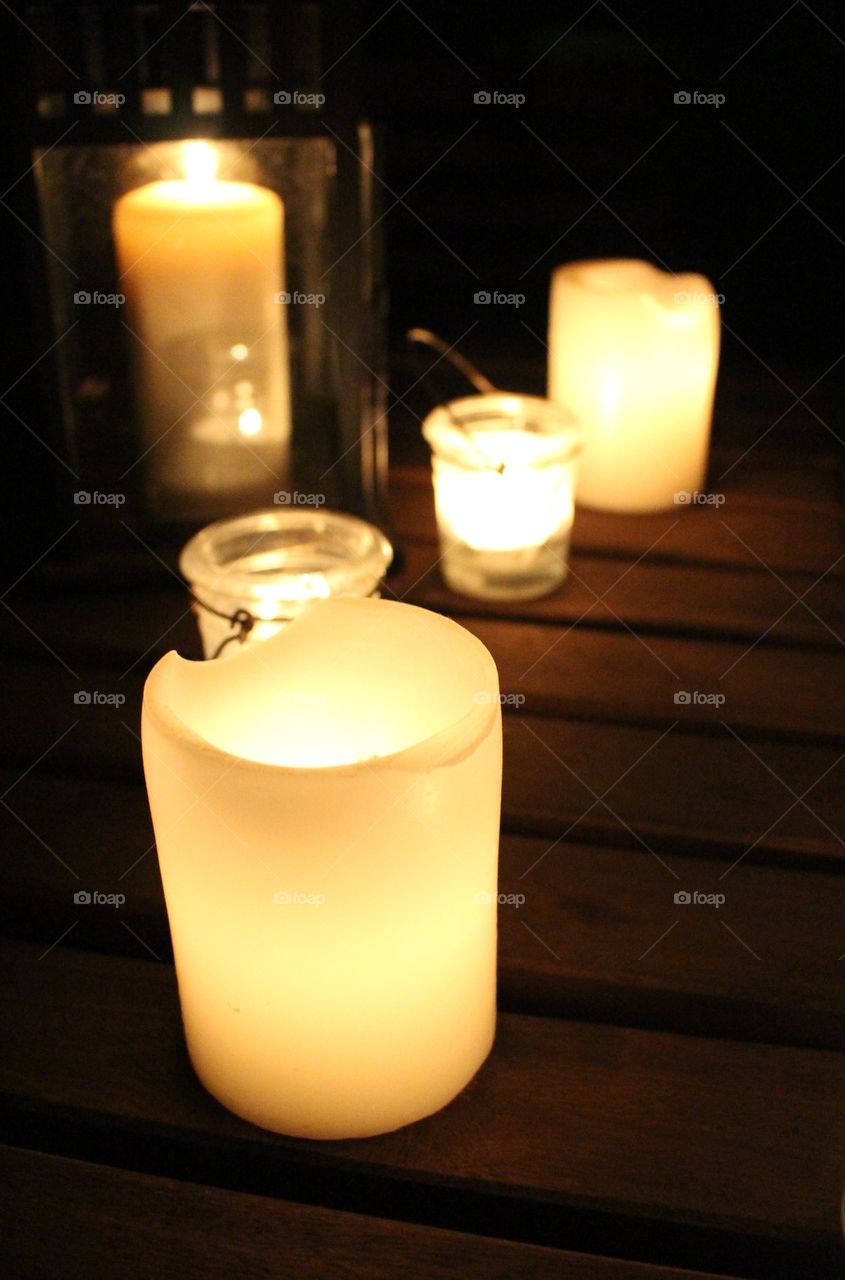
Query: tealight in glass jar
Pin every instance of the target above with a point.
(504, 470)
(250, 575)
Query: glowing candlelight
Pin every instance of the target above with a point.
(326, 811)
(202, 262)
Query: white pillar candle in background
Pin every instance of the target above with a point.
(326, 812)
(633, 352)
(201, 263)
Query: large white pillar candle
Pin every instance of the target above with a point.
(202, 264)
(633, 353)
(326, 811)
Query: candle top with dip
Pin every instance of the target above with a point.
(348, 682)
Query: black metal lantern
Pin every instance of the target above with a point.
(207, 360)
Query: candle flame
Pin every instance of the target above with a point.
(249, 422)
(200, 163)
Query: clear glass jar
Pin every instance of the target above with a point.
(250, 575)
(504, 469)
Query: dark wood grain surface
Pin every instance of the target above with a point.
(643, 1127)
(666, 1092)
(155, 1226)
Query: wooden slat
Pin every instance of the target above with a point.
(69, 1217)
(728, 1146)
(682, 793)
(625, 678)
(776, 477)
(580, 673)
(743, 535)
(586, 942)
(715, 602)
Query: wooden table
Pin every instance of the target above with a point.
(665, 1096)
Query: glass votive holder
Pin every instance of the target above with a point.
(250, 575)
(504, 469)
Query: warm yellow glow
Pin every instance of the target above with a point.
(332, 899)
(200, 261)
(490, 510)
(200, 162)
(633, 353)
(249, 422)
(307, 586)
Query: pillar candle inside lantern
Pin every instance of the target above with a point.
(633, 353)
(326, 811)
(201, 262)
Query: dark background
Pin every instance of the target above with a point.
(599, 161)
(693, 186)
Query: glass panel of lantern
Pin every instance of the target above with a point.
(205, 197)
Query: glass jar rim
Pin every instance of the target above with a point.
(554, 431)
(362, 551)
